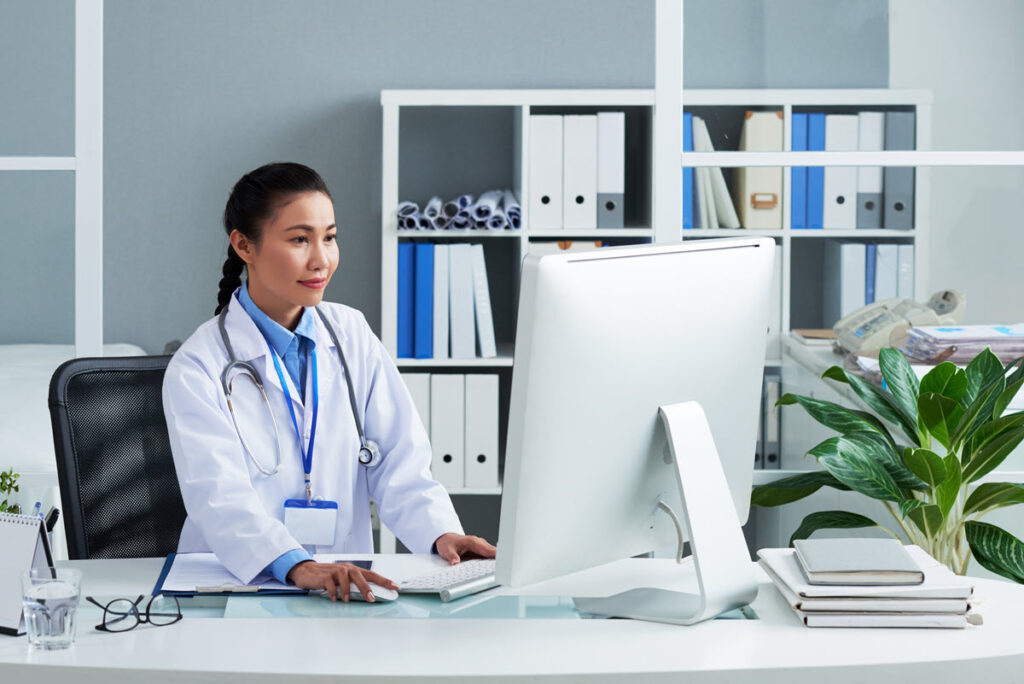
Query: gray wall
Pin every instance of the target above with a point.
(786, 44)
(198, 92)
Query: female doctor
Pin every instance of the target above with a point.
(286, 414)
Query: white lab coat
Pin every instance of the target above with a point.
(236, 511)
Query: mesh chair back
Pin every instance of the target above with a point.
(117, 480)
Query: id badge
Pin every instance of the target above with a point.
(311, 522)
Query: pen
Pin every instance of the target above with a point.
(39, 510)
(229, 588)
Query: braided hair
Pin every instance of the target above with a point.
(252, 202)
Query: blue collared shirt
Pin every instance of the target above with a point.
(294, 349)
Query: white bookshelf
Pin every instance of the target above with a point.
(514, 244)
(664, 224)
(509, 245)
(522, 103)
(827, 100)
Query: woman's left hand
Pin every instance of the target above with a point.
(454, 547)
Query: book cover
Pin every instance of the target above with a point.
(856, 561)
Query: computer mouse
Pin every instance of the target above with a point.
(379, 593)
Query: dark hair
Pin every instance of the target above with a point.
(253, 201)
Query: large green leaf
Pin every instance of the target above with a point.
(994, 495)
(879, 401)
(945, 379)
(826, 520)
(879, 448)
(1017, 373)
(981, 371)
(927, 518)
(994, 452)
(900, 379)
(789, 489)
(1006, 397)
(979, 412)
(940, 415)
(949, 489)
(834, 416)
(852, 464)
(926, 464)
(996, 550)
(990, 430)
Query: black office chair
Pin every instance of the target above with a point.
(117, 480)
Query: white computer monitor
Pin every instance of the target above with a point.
(604, 338)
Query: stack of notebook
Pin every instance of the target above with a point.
(868, 583)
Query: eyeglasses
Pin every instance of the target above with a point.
(122, 615)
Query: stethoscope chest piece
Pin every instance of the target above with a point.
(369, 453)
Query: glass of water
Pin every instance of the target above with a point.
(50, 598)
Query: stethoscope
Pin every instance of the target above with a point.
(369, 451)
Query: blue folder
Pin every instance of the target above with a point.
(870, 268)
(423, 324)
(816, 174)
(687, 173)
(406, 282)
(798, 196)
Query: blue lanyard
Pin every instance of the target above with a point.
(307, 454)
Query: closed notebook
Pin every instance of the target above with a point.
(940, 582)
(857, 562)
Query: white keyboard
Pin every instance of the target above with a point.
(456, 581)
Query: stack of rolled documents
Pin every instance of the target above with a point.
(961, 343)
(493, 210)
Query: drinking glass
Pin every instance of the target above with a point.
(50, 599)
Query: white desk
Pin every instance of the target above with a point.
(775, 648)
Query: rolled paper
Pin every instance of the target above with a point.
(510, 205)
(433, 208)
(407, 209)
(497, 220)
(486, 204)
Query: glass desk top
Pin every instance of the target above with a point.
(488, 605)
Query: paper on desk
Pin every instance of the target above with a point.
(1005, 341)
(192, 570)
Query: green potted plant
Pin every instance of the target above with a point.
(8, 485)
(952, 430)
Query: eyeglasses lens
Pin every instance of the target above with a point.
(120, 615)
(163, 610)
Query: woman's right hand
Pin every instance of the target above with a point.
(336, 579)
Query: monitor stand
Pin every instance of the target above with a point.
(725, 575)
